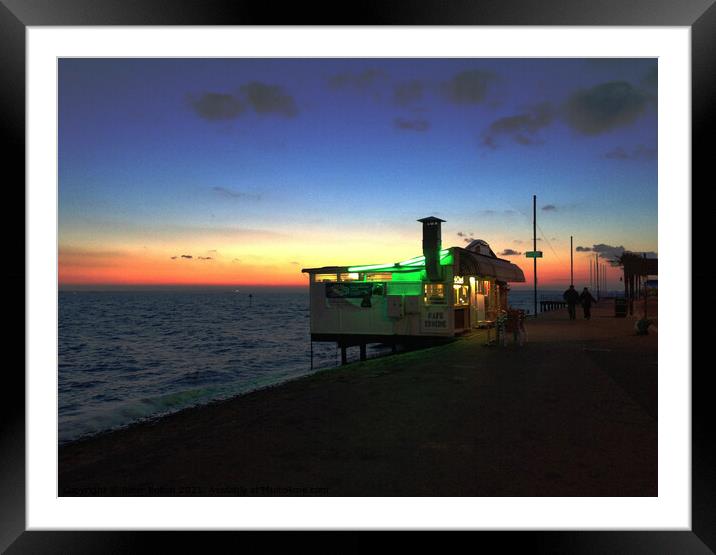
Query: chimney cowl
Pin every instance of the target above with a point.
(432, 244)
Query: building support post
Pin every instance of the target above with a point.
(362, 351)
(344, 355)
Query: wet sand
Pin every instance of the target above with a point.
(571, 413)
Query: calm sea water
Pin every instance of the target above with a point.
(128, 356)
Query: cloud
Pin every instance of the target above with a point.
(408, 92)
(188, 256)
(295, 263)
(518, 241)
(231, 193)
(522, 128)
(640, 152)
(269, 99)
(204, 258)
(605, 107)
(174, 257)
(549, 208)
(470, 87)
(216, 106)
(361, 80)
(612, 253)
(260, 97)
(607, 250)
(509, 252)
(411, 125)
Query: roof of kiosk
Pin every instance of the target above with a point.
(469, 263)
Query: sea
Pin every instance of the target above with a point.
(128, 356)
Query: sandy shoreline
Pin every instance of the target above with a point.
(572, 413)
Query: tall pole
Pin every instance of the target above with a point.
(645, 278)
(534, 244)
(571, 261)
(596, 273)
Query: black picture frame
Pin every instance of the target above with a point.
(16, 15)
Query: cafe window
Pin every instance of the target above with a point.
(483, 286)
(434, 293)
(379, 276)
(462, 295)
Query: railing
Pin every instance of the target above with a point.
(548, 306)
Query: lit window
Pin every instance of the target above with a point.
(461, 295)
(325, 277)
(350, 276)
(382, 276)
(434, 293)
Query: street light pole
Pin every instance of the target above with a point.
(534, 245)
(571, 261)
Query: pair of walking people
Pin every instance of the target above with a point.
(585, 299)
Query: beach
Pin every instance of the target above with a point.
(573, 412)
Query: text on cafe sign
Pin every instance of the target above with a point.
(435, 319)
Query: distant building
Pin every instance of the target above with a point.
(442, 293)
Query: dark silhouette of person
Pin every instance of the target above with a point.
(587, 300)
(572, 298)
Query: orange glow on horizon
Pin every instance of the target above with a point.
(274, 267)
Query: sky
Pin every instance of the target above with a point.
(244, 171)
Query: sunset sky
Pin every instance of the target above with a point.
(244, 171)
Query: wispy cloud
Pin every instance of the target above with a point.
(214, 106)
(262, 98)
(523, 128)
(408, 92)
(471, 86)
(639, 152)
(509, 252)
(269, 99)
(361, 80)
(411, 124)
(234, 194)
(549, 208)
(605, 107)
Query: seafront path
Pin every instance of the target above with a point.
(573, 412)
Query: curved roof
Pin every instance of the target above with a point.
(472, 263)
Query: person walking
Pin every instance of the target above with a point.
(587, 300)
(572, 298)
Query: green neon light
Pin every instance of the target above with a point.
(371, 267)
(416, 262)
(412, 261)
(420, 260)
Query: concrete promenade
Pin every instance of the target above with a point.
(571, 413)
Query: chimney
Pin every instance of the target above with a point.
(432, 244)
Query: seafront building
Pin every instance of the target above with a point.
(442, 293)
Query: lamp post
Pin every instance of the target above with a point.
(534, 245)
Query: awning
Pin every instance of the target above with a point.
(474, 264)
